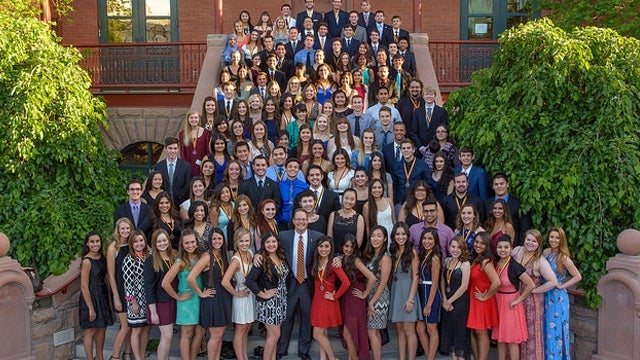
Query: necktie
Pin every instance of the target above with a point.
(260, 183)
(228, 107)
(286, 21)
(398, 154)
(399, 82)
(271, 74)
(395, 36)
(316, 194)
(322, 43)
(308, 64)
(279, 63)
(136, 214)
(294, 45)
(348, 43)
(300, 264)
(384, 139)
(429, 112)
(262, 92)
(356, 127)
(280, 172)
(171, 172)
(366, 19)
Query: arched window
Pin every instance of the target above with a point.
(140, 156)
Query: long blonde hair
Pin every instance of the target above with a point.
(116, 233)
(186, 128)
(361, 153)
(563, 248)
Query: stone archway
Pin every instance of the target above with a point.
(131, 125)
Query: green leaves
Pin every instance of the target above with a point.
(558, 112)
(58, 178)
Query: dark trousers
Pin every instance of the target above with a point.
(298, 301)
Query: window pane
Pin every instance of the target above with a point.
(119, 8)
(518, 6)
(138, 154)
(120, 30)
(158, 8)
(515, 20)
(158, 30)
(480, 28)
(480, 7)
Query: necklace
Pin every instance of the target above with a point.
(450, 270)
(426, 257)
(245, 223)
(218, 261)
(419, 211)
(245, 268)
(171, 224)
(321, 273)
(168, 263)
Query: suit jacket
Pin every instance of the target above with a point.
(144, 218)
(329, 202)
(521, 223)
(287, 68)
(327, 45)
(181, 180)
(401, 33)
(270, 190)
(366, 24)
(406, 109)
(352, 49)
(389, 154)
(421, 132)
(420, 172)
(287, 239)
(279, 76)
(450, 208)
(291, 52)
(264, 54)
(315, 16)
(360, 34)
(389, 84)
(222, 109)
(478, 181)
(409, 62)
(335, 28)
(404, 82)
(387, 33)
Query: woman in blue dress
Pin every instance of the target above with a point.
(430, 256)
(221, 208)
(556, 301)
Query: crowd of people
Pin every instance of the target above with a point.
(320, 182)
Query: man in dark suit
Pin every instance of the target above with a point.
(268, 48)
(259, 187)
(284, 63)
(392, 152)
(176, 173)
(350, 44)
(411, 102)
(298, 242)
(366, 17)
(336, 19)
(478, 178)
(360, 32)
(376, 46)
(135, 210)
(385, 30)
(521, 223)
(323, 39)
(228, 107)
(315, 16)
(326, 200)
(407, 172)
(426, 119)
(399, 75)
(294, 44)
(453, 202)
(273, 73)
(408, 55)
(397, 33)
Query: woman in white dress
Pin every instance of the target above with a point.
(340, 177)
(379, 209)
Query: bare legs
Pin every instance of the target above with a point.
(326, 351)
(375, 342)
(139, 339)
(480, 344)
(429, 338)
(166, 334)
(511, 348)
(215, 342)
(407, 340)
(240, 341)
(351, 346)
(92, 336)
(190, 340)
(270, 343)
(122, 337)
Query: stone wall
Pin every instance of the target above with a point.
(583, 325)
(132, 124)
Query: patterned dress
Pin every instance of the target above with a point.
(273, 311)
(556, 318)
(132, 273)
(379, 320)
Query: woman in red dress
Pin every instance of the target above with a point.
(483, 284)
(194, 141)
(325, 307)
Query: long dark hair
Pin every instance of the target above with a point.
(447, 172)
(315, 263)
(411, 201)
(85, 248)
(148, 185)
(157, 216)
(436, 252)
(476, 258)
(370, 252)
(407, 253)
(266, 259)
(349, 262)
(373, 205)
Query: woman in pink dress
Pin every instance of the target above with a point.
(512, 325)
(538, 268)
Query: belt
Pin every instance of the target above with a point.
(507, 292)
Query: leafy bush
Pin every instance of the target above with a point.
(558, 111)
(58, 180)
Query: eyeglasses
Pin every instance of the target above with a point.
(441, 131)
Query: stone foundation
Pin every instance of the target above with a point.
(583, 325)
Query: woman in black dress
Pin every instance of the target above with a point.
(215, 306)
(166, 217)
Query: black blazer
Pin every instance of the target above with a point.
(401, 33)
(352, 49)
(287, 68)
(421, 133)
(222, 109)
(280, 77)
(335, 29)
(315, 16)
(153, 283)
(257, 279)
(144, 219)
(270, 190)
(387, 33)
(181, 180)
(291, 52)
(329, 203)
(450, 208)
(286, 241)
(406, 110)
(371, 20)
(409, 62)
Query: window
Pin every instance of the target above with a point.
(487, 19)
(135, 21)
(140, 156)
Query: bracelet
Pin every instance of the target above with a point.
(130, 298)
(411, 301)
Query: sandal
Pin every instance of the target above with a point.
(113, 358)
(127, 356)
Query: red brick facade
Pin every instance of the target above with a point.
(196, 18)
